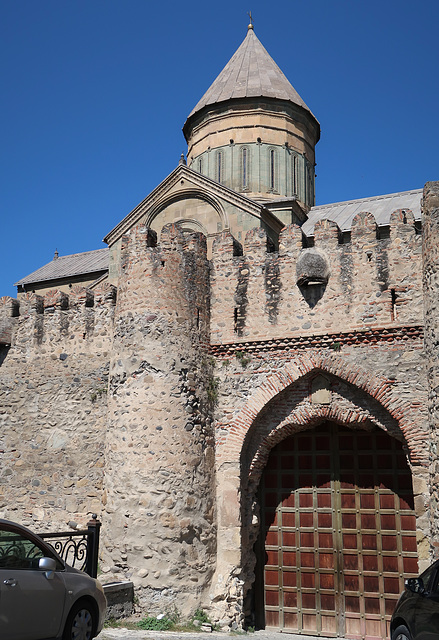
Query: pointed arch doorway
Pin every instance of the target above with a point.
(338, 532)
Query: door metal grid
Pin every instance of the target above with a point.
(340, 532)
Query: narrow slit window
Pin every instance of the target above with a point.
(294, 175)
(308, 185)
(393, 304)
(235, 320)
(272, 169)
(219, 167)
(200, 165)
(245, 168)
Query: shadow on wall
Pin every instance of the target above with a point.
(313, 293)
(4, 350)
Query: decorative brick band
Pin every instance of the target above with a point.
(332, 340)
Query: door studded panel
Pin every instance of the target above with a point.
(340, 532)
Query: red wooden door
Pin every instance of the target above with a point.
(340, 537)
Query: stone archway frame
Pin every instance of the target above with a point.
(238, 522)
(186, 194)
(377, 386)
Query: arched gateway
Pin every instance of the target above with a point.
(315, 499)
(338, 532)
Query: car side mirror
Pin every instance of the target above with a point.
(48, 565)
(416, 585)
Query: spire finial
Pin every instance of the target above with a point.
(250, 26)
(56, 254)
(182, 159)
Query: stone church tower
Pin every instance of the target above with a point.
(252, 132)
(239, 386)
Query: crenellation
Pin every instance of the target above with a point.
(229, 276)
(253, 300)
(172, 238)
(257, 242)
(81, 297)
(9, 311)
(402, 227)
(58, 316)
(30, 325)
(405, 269)
(9, 307)
(364, 229)
(55, 299)
(31, 303)
(367, 306)
(366, 282)
(290, 241)
(54, 383)
(224, 244)
(327, 235)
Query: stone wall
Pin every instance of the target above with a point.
(266, 394)
(369, 282)
(53, 407)
(431, 306)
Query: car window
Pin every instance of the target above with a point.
(427, 577)
(18, 552)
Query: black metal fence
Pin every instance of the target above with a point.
(79, 548)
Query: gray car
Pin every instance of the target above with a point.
(41, 597)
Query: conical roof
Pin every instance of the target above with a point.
(250, 73)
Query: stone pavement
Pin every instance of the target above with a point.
(126, 634)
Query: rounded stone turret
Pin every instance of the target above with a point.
(159, 447)
(252, 132)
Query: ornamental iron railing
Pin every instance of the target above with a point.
(79, 548)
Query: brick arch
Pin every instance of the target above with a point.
(377, 386)
(185, 194)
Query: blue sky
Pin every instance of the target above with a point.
(95, 93)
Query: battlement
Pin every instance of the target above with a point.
(33, 318)
(169, 280)
(367, 280)
(372, 278)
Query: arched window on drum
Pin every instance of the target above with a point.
(219, 166)
(272, 170)
(245, 155)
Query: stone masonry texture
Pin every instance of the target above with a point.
(431, 284)
(156, 404)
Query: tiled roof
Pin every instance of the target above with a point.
(251, 72)
(69, 266)
(381, 208)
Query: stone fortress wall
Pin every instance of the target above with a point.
(367, 282)
(53, 405)
(149, 409)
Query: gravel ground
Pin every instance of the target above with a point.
(126, 634)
